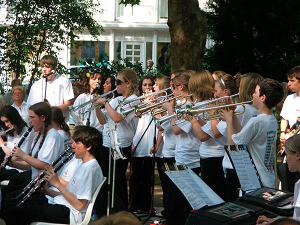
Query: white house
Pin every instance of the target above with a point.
(137, 33)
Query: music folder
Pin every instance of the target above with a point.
(212, 210)
(276, 201)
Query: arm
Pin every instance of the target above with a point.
(283, 126)
(169, 107)
(113, 114)
(52, 177)
(64, 106)
(198, 130)
(228, 117)
(213, 124)
(159, 140)
(100, 116)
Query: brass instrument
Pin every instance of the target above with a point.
(196, 112)
(177, 114)
(75, 108)
(146, 96)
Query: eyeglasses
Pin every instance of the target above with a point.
(119, 82)
(173, 86)
(95, 70)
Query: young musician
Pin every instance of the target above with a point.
(142, 162)
(127, 85)
(11, 118)
(247, 87)
(68, 204)
(290, 113)
(292, 149)
(52, 88)
(187, 144)
(45, 148)
(91, 85)
(59, 124)
(211, 152)
(259, 133)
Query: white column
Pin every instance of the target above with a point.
(154, 48)
(112, 46)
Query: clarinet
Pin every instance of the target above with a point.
(41, 175)
(8, 159)
(41, 184)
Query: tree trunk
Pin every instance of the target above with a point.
(187, 26)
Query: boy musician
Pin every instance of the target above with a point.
(52, 88)
(259, 133)
(290, 113)
(69, 205)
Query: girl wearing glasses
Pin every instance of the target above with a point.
(187, 154)
(142, 162)
(219, 128)
(11, 118)
(127, 84)
(45, 148)
(91, 85)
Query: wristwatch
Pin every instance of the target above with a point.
(1, 146)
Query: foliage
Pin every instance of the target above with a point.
(35, 27)
(130, 2)
(257, 36)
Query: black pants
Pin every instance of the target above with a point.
(213, 175)
(287, 178)
(121, 194)
(7, 174)
(35, 209)
(141, 183)
(17, 182)
(232, 185)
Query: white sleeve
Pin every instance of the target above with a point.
(68, 90)
(246, 134)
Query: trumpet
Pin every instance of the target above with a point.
(196, 112)
(75, 108)
(5, 131)
(146, 96)
(178, 113)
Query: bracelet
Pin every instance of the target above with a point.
(282, 132)
(1, 146)
(106, 101)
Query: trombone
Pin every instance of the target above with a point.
(195, 112)
(75, 108)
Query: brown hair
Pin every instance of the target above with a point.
(219, 73)
(50, 60)
(120, 218)
(201, 85)
(227, 82)
(294, 72)
(85, 80)
(163, 82)
(58, 117)
(182, 77)
(248, 84)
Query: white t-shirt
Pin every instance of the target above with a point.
(86, 179)
(23, 111)
(145, 143)
(170, 140)
(296, 215)
(210, 147)
(66, 138)
(52, 147)
(59, 90)
(250, 112)
(125, 129)
(83, 113)
(14, 141)
(187, 146)
(259, 134)
(291, 109)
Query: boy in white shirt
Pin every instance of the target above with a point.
(70, 203)
(259, 134)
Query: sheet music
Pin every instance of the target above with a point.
(194, 189)
(244, 169)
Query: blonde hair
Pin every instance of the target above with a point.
(20, 88)
(292, 144)
(163, 82)
(219, 73)
(248, 84)
(182, 77)
(201, 85)
(130, 76)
